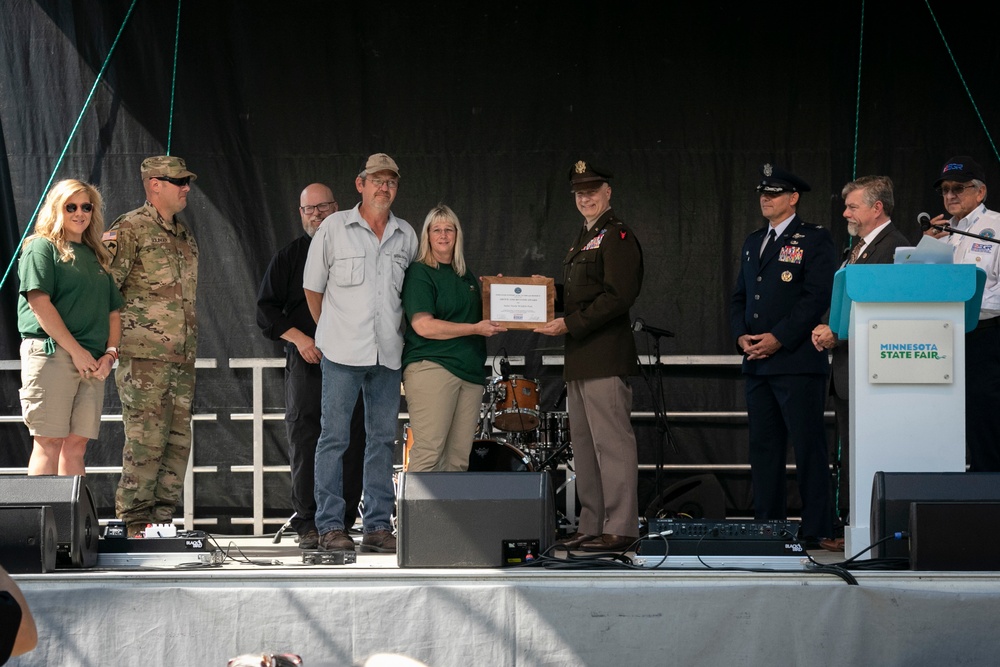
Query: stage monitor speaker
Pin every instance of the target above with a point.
(892, 493)
(474, 519)
(72, 507)
(954, 536)
(27, 538)
(698, 496)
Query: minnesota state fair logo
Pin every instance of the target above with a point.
(909, 351)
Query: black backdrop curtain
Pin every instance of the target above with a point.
(485, 107)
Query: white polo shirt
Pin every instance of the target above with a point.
(361, 280)
(983, 254)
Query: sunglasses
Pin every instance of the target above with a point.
(87, 208)
(957, 189)
(179, 182)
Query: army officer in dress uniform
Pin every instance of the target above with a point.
(602, 275)
(783, 291)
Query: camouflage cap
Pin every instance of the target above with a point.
(165, 165)
(381, 162)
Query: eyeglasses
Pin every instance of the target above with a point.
(179, 182)
(86, 208)
(379, 182)
(321, 207)
(957, 189)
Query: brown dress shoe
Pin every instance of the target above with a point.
(336, 540)
(574, 541)
(832, 544)
(608, 542)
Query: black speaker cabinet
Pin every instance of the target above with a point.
(27, 538)
(473, 519)
(893, 492)
(72, 507)
(698, 496)
(954, 536)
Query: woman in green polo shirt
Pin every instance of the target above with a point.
(445, 348)
(67, 313)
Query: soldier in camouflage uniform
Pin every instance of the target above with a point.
(156, 267)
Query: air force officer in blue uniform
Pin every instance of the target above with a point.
(783, 291)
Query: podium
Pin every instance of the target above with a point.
(906, 324)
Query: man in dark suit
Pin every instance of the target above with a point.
(868, 203)
(602, 276)
(783, 291)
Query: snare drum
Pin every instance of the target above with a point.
(493, 456)
(516, 403)
(554, 429)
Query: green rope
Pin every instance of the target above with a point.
(173, 78)
(857, 102)
(854, 174)
(72, 134)
(962, 79)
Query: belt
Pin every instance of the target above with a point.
(988, 324)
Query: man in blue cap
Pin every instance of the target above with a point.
(783, 291)
(962, 184)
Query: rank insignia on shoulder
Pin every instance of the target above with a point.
(786, 276)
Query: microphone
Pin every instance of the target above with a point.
(640, 325)
(504, 369)
(924, 220)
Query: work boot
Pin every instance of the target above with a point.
(336, 540)
(380, 541)
(309, 539)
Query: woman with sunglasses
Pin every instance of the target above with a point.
(444, 350)
(67, 313)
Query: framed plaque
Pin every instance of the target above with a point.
(519, 303)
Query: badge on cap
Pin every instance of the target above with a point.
(768, 169)
(580, 167)
(786, 276)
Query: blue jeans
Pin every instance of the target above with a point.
(380, 388)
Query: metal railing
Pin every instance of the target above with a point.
(258, 418)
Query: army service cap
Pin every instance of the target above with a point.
(381, 162)
(584, 176)
(775, 180)
(165, 165)
(960, 169)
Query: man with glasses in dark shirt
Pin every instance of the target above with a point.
(962, 184)
(283, 314)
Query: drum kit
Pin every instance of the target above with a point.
(513, 434)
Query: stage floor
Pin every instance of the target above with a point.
(162, 612)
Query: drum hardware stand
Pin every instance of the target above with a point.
(553, 459)
(659, 406)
